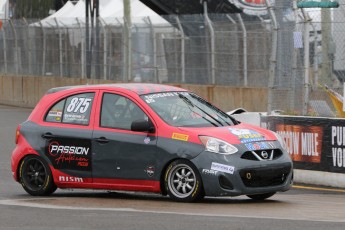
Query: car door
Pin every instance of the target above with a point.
(66, 132)
(122, 158)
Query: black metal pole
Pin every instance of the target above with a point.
(87, 39)
(98, 65)
(93, 9)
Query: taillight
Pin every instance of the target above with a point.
(17, 133)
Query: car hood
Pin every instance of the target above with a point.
(237, 134)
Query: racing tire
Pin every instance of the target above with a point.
(183, 182)
(261, 196)
(36, 177)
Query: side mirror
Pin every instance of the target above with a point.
(143, 125)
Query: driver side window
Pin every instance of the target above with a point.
(119, 112)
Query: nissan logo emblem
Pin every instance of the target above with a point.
(264, 154)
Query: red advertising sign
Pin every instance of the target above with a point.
(252, 7)
(303, 143)
(254, 2)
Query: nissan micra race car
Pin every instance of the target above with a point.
(145, 137)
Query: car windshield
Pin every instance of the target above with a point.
(186, 109)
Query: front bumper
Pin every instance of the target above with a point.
(231, 175)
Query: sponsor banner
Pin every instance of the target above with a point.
(313, 143)
(303, 143)
(69, 153)
(252, 7)
(222, 168)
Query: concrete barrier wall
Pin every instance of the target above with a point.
(25, 91)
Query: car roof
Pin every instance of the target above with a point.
(138, 88)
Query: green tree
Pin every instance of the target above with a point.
(33, 8)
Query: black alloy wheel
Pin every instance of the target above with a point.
(36, 177)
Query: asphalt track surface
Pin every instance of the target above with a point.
(303, 207)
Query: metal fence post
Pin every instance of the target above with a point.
(326, 71)
(82, 51)
(43, 50)
(210, 27)
(183, 53)
(245, 51)
(316, 65)
(29, 45)
(105, 48)
(60, 48)
(294, 61)
(97, 50)
(5, 52)
(306, 62)
(16, 59)
(128, 51)
(154, 47)
(231, 19)
(273, 59)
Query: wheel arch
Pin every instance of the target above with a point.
(165, 169)
(162, 176)
(19, 165)
(20, 161)
(39, 187)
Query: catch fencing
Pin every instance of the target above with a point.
(184, 49)
(282, 49)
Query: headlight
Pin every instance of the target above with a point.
(217, 146)
(280, 139)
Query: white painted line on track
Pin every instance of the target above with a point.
(27, 203)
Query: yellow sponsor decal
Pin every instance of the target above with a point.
(180, 136)
(247, 136)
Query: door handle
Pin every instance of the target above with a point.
(102, 140)
(48, 136)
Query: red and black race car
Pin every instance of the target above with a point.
(145, 137)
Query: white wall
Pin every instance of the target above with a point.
(4, 9)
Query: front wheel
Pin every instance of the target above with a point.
(183, 182)
(36, 177)
(261, 196)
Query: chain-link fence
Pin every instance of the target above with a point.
(315, 60)
(189, 49)
(289, 51)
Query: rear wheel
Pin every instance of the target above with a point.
(261, 196)
(183, 182)
(36, 177)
